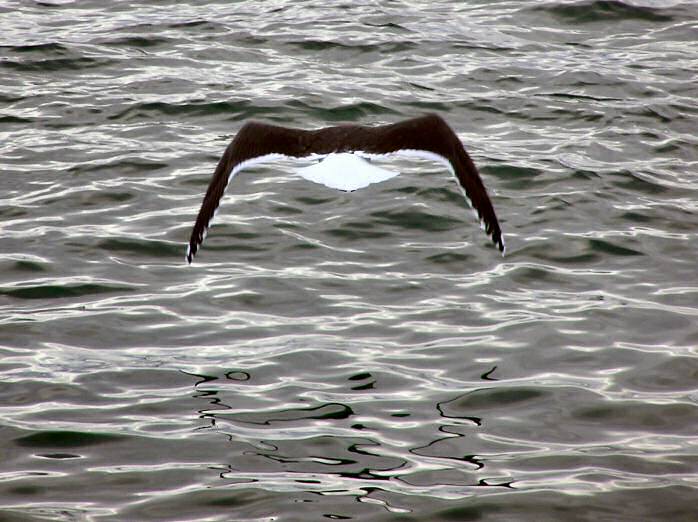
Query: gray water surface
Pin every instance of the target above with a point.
(348, 356)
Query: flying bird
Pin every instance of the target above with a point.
(344, 151)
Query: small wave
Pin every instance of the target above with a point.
(55, 291)
(605, 11)
(65, 439)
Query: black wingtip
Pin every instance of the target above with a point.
(498, 240)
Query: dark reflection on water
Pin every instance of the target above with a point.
(353, 459)
(365, 356)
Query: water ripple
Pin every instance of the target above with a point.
(348, 355)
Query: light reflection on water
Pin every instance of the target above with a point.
(364, 355)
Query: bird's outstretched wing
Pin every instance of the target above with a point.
(427, 136)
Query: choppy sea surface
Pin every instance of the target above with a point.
(360, 356)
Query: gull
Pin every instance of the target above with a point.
(344, 152)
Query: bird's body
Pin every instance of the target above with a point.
(345, 171)
(344, 150)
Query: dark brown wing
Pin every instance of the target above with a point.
(428, 133)
(431, 134)
(253, 141)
